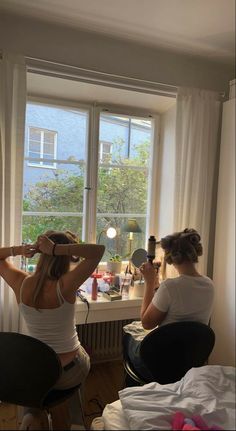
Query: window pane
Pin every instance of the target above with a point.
(123, 183)
(48, 149)
(36, 225)
(34, 155)
(59, 188)
(35, 134)
(34, 146)
(49, 137)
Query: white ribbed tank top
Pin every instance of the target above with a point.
(55, 326)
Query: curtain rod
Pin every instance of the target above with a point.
(35, 65)
(60, 70)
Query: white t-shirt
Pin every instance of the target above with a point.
(185, 298)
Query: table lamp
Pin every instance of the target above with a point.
(131, 227)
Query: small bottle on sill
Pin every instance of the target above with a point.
(94, 294)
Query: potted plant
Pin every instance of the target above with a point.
(114, 264)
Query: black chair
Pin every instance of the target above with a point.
(169, 351)
(28, 371)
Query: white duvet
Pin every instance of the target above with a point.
(208, 391)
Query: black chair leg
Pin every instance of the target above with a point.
(129, 382)
(76, 408)
(49, 416)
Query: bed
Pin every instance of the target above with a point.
(207, 391)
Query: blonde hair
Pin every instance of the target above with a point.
(182, 246)
(53, 267)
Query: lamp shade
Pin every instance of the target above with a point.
(131, 226)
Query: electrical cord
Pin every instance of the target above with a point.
(83, 299)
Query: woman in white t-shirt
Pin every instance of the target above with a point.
(186, 297)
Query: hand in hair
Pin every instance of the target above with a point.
(150, 274)
(29, 250)
(45, 245)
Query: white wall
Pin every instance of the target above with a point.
(223, 318)
(85, 49)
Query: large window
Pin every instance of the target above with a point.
(95, 177)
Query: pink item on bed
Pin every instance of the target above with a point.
(177, 421)
(188, 427)
(180, 422)
(200, 423)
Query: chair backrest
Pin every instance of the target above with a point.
(28, 369)
(171, 350)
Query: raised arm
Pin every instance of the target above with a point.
(90, 253)
(27, 250)
(150, 315)
(6, 252)
(12, 275)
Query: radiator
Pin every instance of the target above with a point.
(103, 340)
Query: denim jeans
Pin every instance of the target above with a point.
(132, 353)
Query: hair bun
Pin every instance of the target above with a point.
(72, 236)
(192, 235)
(167, 242)
(181, 246)
(194, 239)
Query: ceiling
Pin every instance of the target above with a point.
(199, 27)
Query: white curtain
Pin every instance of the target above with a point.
(197, 137)
(12, 123)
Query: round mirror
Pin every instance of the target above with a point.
(138, 257)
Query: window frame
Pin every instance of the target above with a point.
(92, 160)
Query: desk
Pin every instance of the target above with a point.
(104, 310)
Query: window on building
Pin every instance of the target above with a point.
(42, 147)
(105, 151)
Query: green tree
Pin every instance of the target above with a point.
(63, 193)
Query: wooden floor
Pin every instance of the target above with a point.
(8, 417)
(101, 387)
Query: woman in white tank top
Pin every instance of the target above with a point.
(47, 297)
